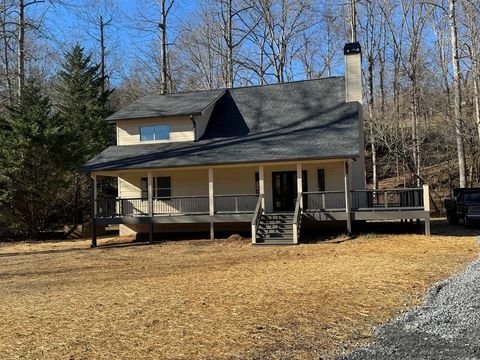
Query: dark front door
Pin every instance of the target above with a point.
(285, 189)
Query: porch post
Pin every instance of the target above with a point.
(211, 201)
(150, 194)
(426, 206)
(348, 209)
(94, 210)
(261, 183)
(299, 182)
(150, 205)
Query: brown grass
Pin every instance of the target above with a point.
(209, 300)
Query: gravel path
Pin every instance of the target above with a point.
(445, 326)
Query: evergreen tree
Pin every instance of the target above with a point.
(33, 142)
(84, 105)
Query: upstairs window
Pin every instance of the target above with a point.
(154, 132)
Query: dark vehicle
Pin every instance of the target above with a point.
(465, 205)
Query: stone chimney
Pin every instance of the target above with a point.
(353, 72)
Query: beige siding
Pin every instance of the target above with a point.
(183, 182)
(353, 77)
(234, 181)
(128, 131)
(358, 179)
(240, 180)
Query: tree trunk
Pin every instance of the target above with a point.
(457, 96)
(229, 37)
(6, 61)
(21, 47)
(353, 20)
(102, 52)
(163, 36)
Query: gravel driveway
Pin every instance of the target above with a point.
(446, 326)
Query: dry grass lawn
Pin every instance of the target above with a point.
(212, 300)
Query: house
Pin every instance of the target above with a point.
(269, 158)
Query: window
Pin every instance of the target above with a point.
(144, 188)
(321, 179)
(162, 187)
(157, 132)
(257, 183)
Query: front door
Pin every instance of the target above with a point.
(285, 189)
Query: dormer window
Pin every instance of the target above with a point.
(154, 132)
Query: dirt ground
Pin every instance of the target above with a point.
(222, 299)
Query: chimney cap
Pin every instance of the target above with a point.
(352, 48)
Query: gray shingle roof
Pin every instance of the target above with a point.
(290, 121)
(168, 105)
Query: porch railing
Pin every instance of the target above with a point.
(257, 215)
(122, 207)
(324, 201)
(232, 204)
(395, 199)
(297, 218)
(187, 205)
(177, 205)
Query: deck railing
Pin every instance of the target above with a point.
(177, 205)
(121, 207)
(297, 218)
(364, 200)
(324, 201)
(395, 199)
(235, 204)
(174, 205)
(257, 215)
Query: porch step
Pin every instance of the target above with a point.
(275, 242)
(275, 229)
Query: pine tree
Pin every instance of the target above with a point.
(84, 105)
(33, 142)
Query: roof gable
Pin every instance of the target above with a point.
(158, 106)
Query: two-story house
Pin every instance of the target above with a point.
(269, 158)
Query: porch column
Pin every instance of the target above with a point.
(299, 182)
(211, 201)
(94, 210)
(426, 206)
(348, 209)
(150, 205)
(150, 194)
(261, 183)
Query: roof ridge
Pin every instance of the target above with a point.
(251, 86)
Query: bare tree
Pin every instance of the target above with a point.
(457, 95)
(165, 10)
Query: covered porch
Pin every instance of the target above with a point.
(315, 191)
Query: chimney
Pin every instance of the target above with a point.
(353, 72)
